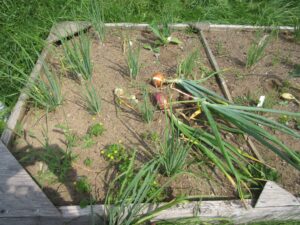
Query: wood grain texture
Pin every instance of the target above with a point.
(66, 29)
(275, 196)
(20, 196)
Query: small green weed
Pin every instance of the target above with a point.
(256, 51)
(133, 63)
(146, 108)
(220, 48)
(153, 137)
(82, 185)
(117, 155)
(88, 162)
(59, 162)
(185, 68)
(92, 99)
(77, 54)
(246, 100)
(96, 129)
(152, 48)
(285, 119)
(70, 137)
(261, 171)
(88, 141)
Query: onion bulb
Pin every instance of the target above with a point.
(158, 79)
(161, 100)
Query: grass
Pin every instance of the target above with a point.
(132, 59)
(78, 57)
(92, 99)
(256, 51)
(44, 91)
(97, 18)
(30, 32)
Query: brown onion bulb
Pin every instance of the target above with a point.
(161, 100)
(158, 79)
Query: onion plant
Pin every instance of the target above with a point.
(146, 108)
(173, 153)
(163, 34)
(96, 15)
(77, 52)
(186, 66)
(128, 205)
(256, 51)
(231, 160)
(133, 63)
(92, 99)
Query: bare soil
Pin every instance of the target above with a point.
(269, 77)
(121, 125)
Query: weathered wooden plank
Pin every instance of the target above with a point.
(20, 196)
(275, 196)
(66, 29)
(44, 220)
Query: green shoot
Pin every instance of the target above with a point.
(96, 15)
(92, 99)
(146, 108)
(96, 129)
(133, 63)
(88, 162)
(173, 153)
(83, 186)
(71, 138)
(78, 56)
(163, 34)
(256, 51)
(88, 141)
(185, 68)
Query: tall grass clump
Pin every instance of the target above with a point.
(146, 108)
(256, 51)
(92, 99)
(96, 15)
(44, 90)
(133, 63)
(185, 68)
(173, 153)
(77, 52)
(297, 30)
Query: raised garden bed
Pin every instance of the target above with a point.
(75, 154)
